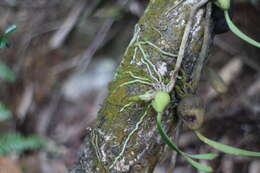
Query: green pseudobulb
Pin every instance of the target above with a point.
(223, 4)
(160, 101)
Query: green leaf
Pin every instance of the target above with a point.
(4, 113)
(237, 32)
(168, 141)
(198, 165)
(15, 142)
(206, 156)
(4, 42)
(10, 30)
(225, 148)
(6, 73)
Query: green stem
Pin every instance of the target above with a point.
(237, 32)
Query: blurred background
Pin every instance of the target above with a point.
(63, 54)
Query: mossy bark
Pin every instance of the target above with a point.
(105, 148)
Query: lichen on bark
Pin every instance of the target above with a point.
(125, 138)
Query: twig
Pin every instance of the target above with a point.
(60, 36)
(46, 115)
(91, 50)
(82, 60)
(25, 102)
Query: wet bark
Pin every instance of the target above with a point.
(125, 138)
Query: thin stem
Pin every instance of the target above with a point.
(136, 35)
(94, 142)
(136, 81)
(134, 56)
(137, 77)
(237, 32)
(159, 49)
(147, 65)
(125, 106)
(150, 63)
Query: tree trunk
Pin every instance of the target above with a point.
(126, 138)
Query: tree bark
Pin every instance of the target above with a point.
(126, 138)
